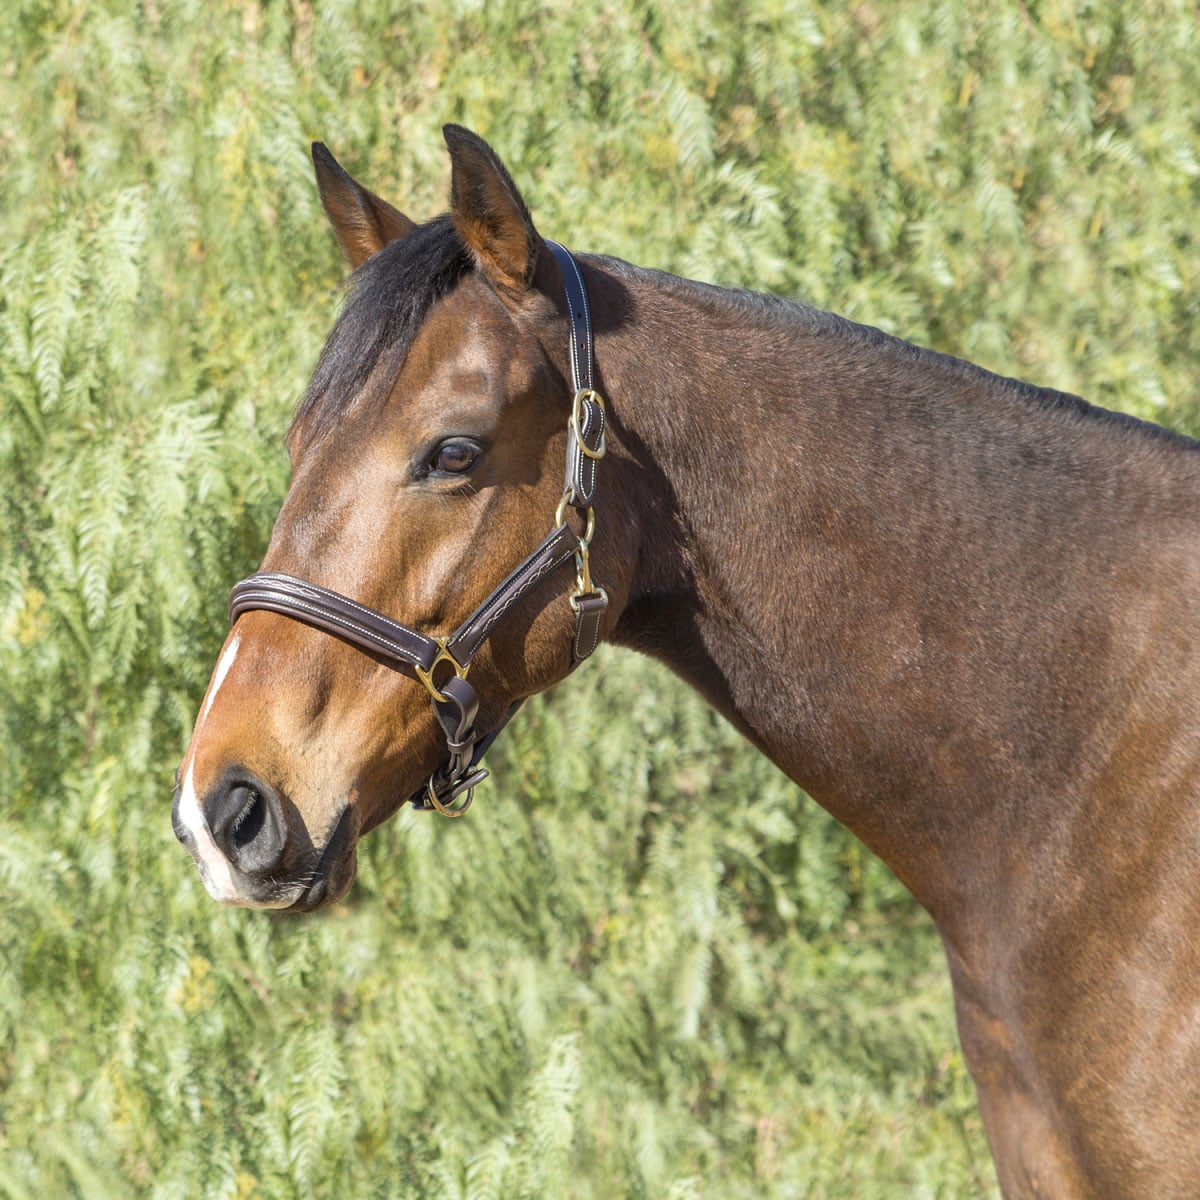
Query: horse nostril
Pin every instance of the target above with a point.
(247, 823)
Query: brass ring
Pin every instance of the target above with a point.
(445, 809)
(560, 513)
(560, 519)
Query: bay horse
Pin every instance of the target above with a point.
(960, 611)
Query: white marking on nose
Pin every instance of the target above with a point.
(214, 866)
(218, 678)
(215, 869)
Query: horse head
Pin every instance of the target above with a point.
(427, 467)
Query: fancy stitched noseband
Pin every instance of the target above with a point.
(455, 702)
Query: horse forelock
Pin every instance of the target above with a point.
(389, 297)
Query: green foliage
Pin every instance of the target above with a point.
(646, 967)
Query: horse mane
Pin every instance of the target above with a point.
(393, 291)
(389, 297)
(775, 312)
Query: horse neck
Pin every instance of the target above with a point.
(880, 563)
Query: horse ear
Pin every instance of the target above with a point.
(364, 223)
(489, 212)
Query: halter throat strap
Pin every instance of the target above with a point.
(442, 663)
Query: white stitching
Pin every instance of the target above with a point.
(580, 654)
(578, 377)
(337, 597)
(361, 632)
(521, 585)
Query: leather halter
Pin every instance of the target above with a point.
(455, 702)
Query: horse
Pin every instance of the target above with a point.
(960, 611)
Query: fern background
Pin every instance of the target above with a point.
(648, 967)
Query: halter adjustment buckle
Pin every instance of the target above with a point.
(583, 398)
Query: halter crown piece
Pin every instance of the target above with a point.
(442, 663)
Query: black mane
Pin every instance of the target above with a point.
(393, 291)
(784, 313)
(390, 295)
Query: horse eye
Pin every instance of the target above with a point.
(455, 458)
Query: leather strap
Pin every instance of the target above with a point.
(589, 613)
(456, 713)
(587, 419)
(557, 548)
(333, 613)
(580, 315)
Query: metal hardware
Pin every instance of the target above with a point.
(448, 810)
(583, 567)
(574, 598)
(583, 571)
(443, 655)
(560, 517)
(582, 397)
(560, 513)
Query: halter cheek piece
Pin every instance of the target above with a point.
(441, 663)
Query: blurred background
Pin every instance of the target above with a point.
(647, 965)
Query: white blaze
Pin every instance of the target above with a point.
(214, 866)
(218, 678)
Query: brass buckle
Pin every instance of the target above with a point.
(583, 396)
(443, 655)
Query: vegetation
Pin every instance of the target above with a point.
(644, 967)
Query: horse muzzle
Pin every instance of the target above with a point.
(248, 853)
